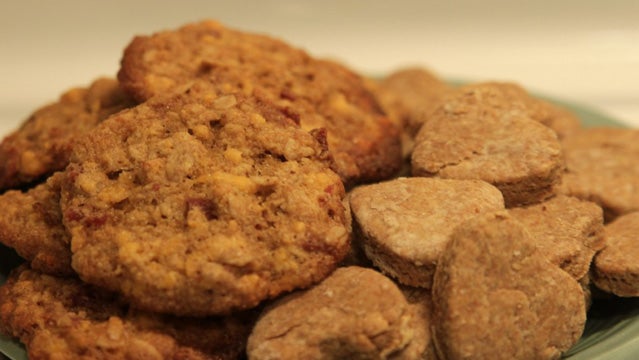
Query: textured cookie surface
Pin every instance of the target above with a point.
(60, 318)
(478, 134)
(44, 141)
(321, 94)
(602, 166)
(31, 223)
(407, 222)
(496, 297)
(201, 202)
(568, 231)
(616, 269)
(356, 313)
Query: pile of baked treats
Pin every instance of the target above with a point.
(231, 196)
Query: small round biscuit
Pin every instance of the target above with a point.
(615, 269)
(319, 93)
(568, 231)
(31, 223)
(63, 318)
(405, 223)
(479, 134)
(496, 297)
(356, 313)
(602, 166)
(202, 202)
(43, 143)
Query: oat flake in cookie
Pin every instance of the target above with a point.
(63, 318)
(43, 143)
(203, 202)
(321, 94)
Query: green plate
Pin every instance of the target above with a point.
(612, 330)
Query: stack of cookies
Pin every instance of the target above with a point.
(229, 196)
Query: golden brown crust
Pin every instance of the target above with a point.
(601, 166)
(202, 202)
(477, 133)
(43, 143)
(63, 318)
(615, 268)
(31, 223)
(496, 297)
(355, 313)
(319, 93)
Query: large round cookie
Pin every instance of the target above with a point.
(63, 318)
(321, 94)
(201, 202)
(44, 141)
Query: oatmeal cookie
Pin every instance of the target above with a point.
(478, 134)
(319, 93)
(355, 313)
(568, 231)
(602, 166)
(202, 202)
(31, 223)
(615, 269)
(63, 318)
(496, 297)
(405, 223)
(42, 144)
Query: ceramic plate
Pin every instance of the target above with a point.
(612, 330)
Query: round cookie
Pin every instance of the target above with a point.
(202, 202)
(356, 313)
(615, 269)
(568, 231)
(63, 318)
(43, 143)
(496, 297)
(479, 134)
(319, 93)
(31, 223)
(601, 166)
(406, 223)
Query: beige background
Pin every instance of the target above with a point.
(584, 51)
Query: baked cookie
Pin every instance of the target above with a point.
(421, 303)
(615, 269)
(556, 117)
(568, 231)
(405, 223)
(478, 134)
(318, 93)
(202, 202)
(496, 297)
(409, 95)
(42, 144)
(602, 166)
(355, 313)
(63, 318)
(31, 223)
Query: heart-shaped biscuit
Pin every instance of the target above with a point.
(496, 297)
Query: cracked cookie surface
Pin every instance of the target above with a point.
(63, 318)
(203, 202)
(320, 93)
(43, 143)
